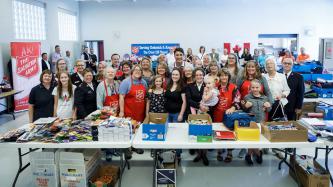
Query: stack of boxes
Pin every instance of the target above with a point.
(115, 130)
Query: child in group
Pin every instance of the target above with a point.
(257, 104)
(210, 95)
(156, 96)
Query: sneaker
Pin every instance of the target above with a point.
(259, 158)
(242, 153)
(248, 160)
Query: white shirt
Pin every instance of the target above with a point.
(184, 64)
(80, 76)
(91, 86)
(47, 64)
(65, 104)
(278, 85)
(170, 59)
(223, 58)
(288, 74)
(201, 55)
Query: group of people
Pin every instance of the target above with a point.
(178, 87)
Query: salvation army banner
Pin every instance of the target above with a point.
(26, 70)
(152, 49)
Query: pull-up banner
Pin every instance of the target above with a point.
(26, 70)
(152, 49)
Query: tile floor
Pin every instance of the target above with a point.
(189, 174)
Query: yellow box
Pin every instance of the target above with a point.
(251, 133)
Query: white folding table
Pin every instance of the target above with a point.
(177, 138)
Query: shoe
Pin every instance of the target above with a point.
(179, 160)
(138, 151)
(205, 160)
(248, 160)
(108, 156)
(219, 157)
(242, 153)
(228, 158)
(192, 151)
(128, 154)
(197, 158)
(259, 158)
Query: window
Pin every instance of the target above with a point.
(67, 26)
(29, 20)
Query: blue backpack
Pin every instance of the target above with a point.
(243, 118)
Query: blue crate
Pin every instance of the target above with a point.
(327, 110)
(323, 92)
(309, 67)
(156, 131)
(321, 76)
(307, 77)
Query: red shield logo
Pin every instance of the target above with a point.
(135, 50)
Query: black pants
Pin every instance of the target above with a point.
(291, 115)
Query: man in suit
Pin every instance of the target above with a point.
(214, 55)
(93, 58)
(296, 84)
(85, 56)
(45, 63)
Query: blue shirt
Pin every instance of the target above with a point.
(126, 84)
(261, 60)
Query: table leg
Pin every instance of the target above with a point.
(12, 113)
(316, 154)
(154, 167)
(327, 152)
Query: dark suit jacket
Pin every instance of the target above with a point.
(194, 95)
(76, 79)
(85, 100)
(216, 57)
(44, 65)
(295, 98)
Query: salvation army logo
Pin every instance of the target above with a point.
(135, 50)
(139, 95)
(27, 66)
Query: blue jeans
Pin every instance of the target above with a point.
(173, 117)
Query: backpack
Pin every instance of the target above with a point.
(243, 118)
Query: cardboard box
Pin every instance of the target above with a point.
(43, 169)
(309, 180)
(105, 170)
(299, 135)
(72, 170)
(309, 107)
(197, 129)
(251, 133)
(155, 127)
(114, 134)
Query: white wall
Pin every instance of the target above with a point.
(203, 22)
(52, 38)
(52, 35)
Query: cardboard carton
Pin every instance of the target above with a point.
(307, 179)
(197, 129)
(299, 135)
(105, 170)
(251, 133)
(155, 127)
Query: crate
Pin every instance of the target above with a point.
(251, 133)
(299, 135)
(155, 127)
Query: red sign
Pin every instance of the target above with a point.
(26, 63)
(26, 55)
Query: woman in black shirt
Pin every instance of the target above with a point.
(85, 96)
(41, 100)
(175, 97)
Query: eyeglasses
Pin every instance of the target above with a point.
(231, 57)
(79, 65)
(286, 63)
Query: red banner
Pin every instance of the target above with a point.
(26, 70)
(227, 46)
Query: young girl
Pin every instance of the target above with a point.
(210, 95)
(64, 97)
(257, 104)
(156, 97)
